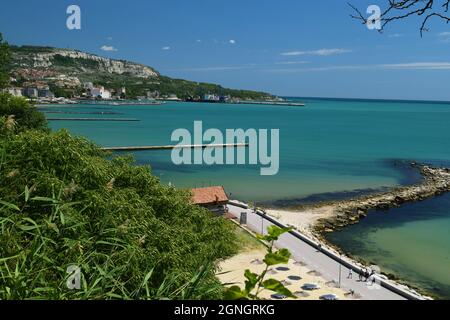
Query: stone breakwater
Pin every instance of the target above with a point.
(435, 181)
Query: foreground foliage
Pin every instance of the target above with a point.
(255, 283)
(5, 57)
(16, 114)
(64, 203)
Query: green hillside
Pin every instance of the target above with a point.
(47, 65)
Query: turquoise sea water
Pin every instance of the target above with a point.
(411, 241)
(329, 148)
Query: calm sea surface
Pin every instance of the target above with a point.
(330, 149)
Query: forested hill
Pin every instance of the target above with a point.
(66, 70)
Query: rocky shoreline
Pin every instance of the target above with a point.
(318, 219)
(436, 181)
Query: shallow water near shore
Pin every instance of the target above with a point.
(411, 242)
(331, 149)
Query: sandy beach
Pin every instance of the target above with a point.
(303, 220)
(294, 277)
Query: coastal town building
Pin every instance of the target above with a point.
(216, 98)
(30, 92)
(120, 93)
(173, 97)
(100, 93)
(45, 93)
(16, 92)
(214, 199)
(211, 97)
(153, 94)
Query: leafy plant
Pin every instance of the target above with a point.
(5, 57)
(63, 202)
(255, 283)
(20, 114)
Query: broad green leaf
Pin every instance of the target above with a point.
(274, 232)
(278, 287)
(234, 293)
(278, 257)
(252, 280)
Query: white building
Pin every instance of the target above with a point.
(100, 92)
(211, 97)
(173, 97)
(16, 92)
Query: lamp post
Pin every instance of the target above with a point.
(340, 267)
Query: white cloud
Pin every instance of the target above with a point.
(198, 40)
(391, 66)
(291, 62)
(418, 66)
(165, 48)
(444, 36)
(109, 38)
(224, 68)
(108, 48)
(232, 41)
(320, 52)
(396, 35)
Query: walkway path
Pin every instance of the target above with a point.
(307, 253)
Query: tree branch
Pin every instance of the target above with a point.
(403, 9)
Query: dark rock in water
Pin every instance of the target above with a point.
(399, 200)
(435, 182)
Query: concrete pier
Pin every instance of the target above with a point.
(170, 147)
(92, 119)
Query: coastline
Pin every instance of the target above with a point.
(317, 219)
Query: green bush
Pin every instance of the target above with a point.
(62, 202)
(24, 115)
(5, 58)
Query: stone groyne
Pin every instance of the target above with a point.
(435, 181)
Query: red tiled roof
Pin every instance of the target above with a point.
(209, 195)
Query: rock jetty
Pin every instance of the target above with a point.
(435, 181)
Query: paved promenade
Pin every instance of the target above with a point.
(316, 260)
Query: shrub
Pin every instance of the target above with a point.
(25, 115)
(62, 203)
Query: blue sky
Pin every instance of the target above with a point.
(286, 47)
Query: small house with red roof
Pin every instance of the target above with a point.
(214, 199)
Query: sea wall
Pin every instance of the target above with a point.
(435, 181)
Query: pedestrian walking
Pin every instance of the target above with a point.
(350, 274)
(366, 274)
(372, 277)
